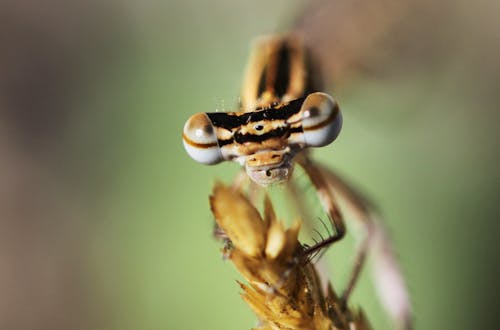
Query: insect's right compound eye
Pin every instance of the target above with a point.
(321, 119)
(200, 140)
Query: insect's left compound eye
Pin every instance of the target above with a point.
(200, 140)
(321, 119)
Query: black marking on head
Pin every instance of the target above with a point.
(231, 121)
(225, 142)
(279, 132)
(242, 138)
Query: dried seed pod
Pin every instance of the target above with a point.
(284, 289)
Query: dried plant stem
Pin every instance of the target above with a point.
(283, 289)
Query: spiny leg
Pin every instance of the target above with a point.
(296, 196)
(314, 250)
(388, 277)
(328, 202)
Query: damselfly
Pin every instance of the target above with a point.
(283, 113)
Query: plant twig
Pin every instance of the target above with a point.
(283, 289)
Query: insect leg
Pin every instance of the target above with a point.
(328, 201)
(389, 280)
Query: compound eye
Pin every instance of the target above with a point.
(321, 119)
(200, 140)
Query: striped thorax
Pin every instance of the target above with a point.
(280, 116)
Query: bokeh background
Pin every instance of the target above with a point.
(104, 220)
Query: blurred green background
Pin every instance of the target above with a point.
(104, 219)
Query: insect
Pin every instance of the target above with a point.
(283, 113)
